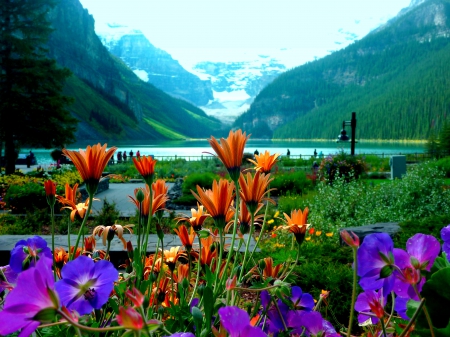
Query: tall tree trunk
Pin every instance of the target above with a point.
(10, 153)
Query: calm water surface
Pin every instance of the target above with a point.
(197, 148)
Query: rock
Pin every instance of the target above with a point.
(391, 228)
(174, 193)
(103, 185)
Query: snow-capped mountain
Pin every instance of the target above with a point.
(222, 89)
(236, 84)
(154, 65)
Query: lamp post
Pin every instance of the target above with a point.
(343, 136)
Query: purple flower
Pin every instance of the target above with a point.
(376, 261)
(315, 325)
(237, 322)
(27, 252)
(301, 300)
(32, 302)
(445, 235)
(422, 250)
(86, 285)
(400, 307)
(8, 278)
(370, 301)
(182, 334)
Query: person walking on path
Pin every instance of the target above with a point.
(138, 154)
(131, 154)
(119, 156)
(124, 156)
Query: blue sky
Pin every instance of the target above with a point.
(294, 31)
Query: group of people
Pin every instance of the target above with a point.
(122, 155)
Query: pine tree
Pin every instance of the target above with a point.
(444, 139)
(33, 110)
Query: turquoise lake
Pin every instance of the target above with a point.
(194, 149)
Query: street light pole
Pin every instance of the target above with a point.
(343, 136)
(353, 126)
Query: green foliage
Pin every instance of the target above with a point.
(342, 165)
(204, 180)
(396, 79)
(108, 214)
(290, 182)
(288, 202)
(430, 225)
(442, 164)
(418, 194)
(31, 84)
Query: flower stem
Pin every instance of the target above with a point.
(150, 216)
(246, 248)
(87, 328)
(199, 267)
(413, 318)
(294, 264)
(425, 310)
(355, 280)
(231, 251)
(263, 226)
(88, 211)
(52, 215)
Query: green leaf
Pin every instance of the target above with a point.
(436, 292)
(208, 301)
(114, 305)
(198, 317)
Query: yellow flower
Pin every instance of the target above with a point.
(271, 221)
(308, 238)
(329, 234)
(318, 233)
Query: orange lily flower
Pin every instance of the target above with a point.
(217, 201)
(61, 258)
(187, 239)
(245, 218)
(296, 223)
(129, 318)
(182, 273)
(160, 188)
(264, 162)
(108, 232)
(149, 264)
(207, 254)
(253, 189)
(70, 195)
(79, 209)
(197, 218)
(171, 257)
(230, 151)
(50, 192)
(89, 244)
(146, 167)
(158, 202)
(91, 163)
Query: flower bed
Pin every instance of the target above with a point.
(202, 288)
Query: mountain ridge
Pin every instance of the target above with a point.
(373, 77)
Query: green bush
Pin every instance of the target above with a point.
(20, 198)
(204, 180)
(418, 194)
(442, 164)
(289, 202)
(342, 165)
(290, 182)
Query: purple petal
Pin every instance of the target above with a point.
(424, 248)
(30, 296)
(182, 334)
(234, 320)
(251, 331)
(312, 321)
(445, 234)
(400, 307)
(18, 255)
(307, 302)
(369, 259)
(265, 298)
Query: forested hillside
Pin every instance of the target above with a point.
(111, 102)
(396, 79)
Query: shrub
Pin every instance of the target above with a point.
(443, 165)
(108, 215)
(342, 165)
(292, 182)
(418, 194)
(290, 202)
(204, 180)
